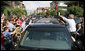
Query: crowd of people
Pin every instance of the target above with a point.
(11, 29)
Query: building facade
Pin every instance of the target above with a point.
(16, 4)
(45, 9)
(42, 9)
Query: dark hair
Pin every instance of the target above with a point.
(77, 25)
(5, 28)
(82, 22)
(15, 23)
(16, 19)
(18, 26)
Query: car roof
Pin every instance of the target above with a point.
(46, 26)
(47, 20)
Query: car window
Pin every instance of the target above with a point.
(56, 38)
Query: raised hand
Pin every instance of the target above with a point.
(59, 14)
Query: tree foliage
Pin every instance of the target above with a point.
(51, 12)
(24, 12)
(7, 12)
(41, 13)
(76, 10)
(5, 9)
(61, 11)
(3, 6)
(18, 11)
(54, 12)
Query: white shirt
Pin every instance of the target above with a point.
(71, 25)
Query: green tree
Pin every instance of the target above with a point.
(41, 13)
(24, 12)
(5, 9)
(7, 12)
(76, 10)
(3, 6)
(61, 11)
(51, 12)
(18, 11)
(48, 12)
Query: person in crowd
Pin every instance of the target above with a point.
(17, 30)
(16, 19)
(7, 24)
(7, 37)
(70, 24)
(82, 24)
(20, 22)
(17, 33)
(10, 25)
(27, 22)
(6, 33)
(23, 25)
(80, 31)
(79, 27)
(21, 19)
(15, 24)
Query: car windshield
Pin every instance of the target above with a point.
(53, 38)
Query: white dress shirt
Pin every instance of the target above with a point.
(71, 25)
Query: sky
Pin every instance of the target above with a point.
(33, 5)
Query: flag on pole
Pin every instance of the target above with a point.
(56, 6)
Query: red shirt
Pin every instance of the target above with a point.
(20, 23)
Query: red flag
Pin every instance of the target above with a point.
(56, 6)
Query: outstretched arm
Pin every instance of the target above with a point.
(60, 15)
(64, 18)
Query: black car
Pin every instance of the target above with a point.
(46, 37)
